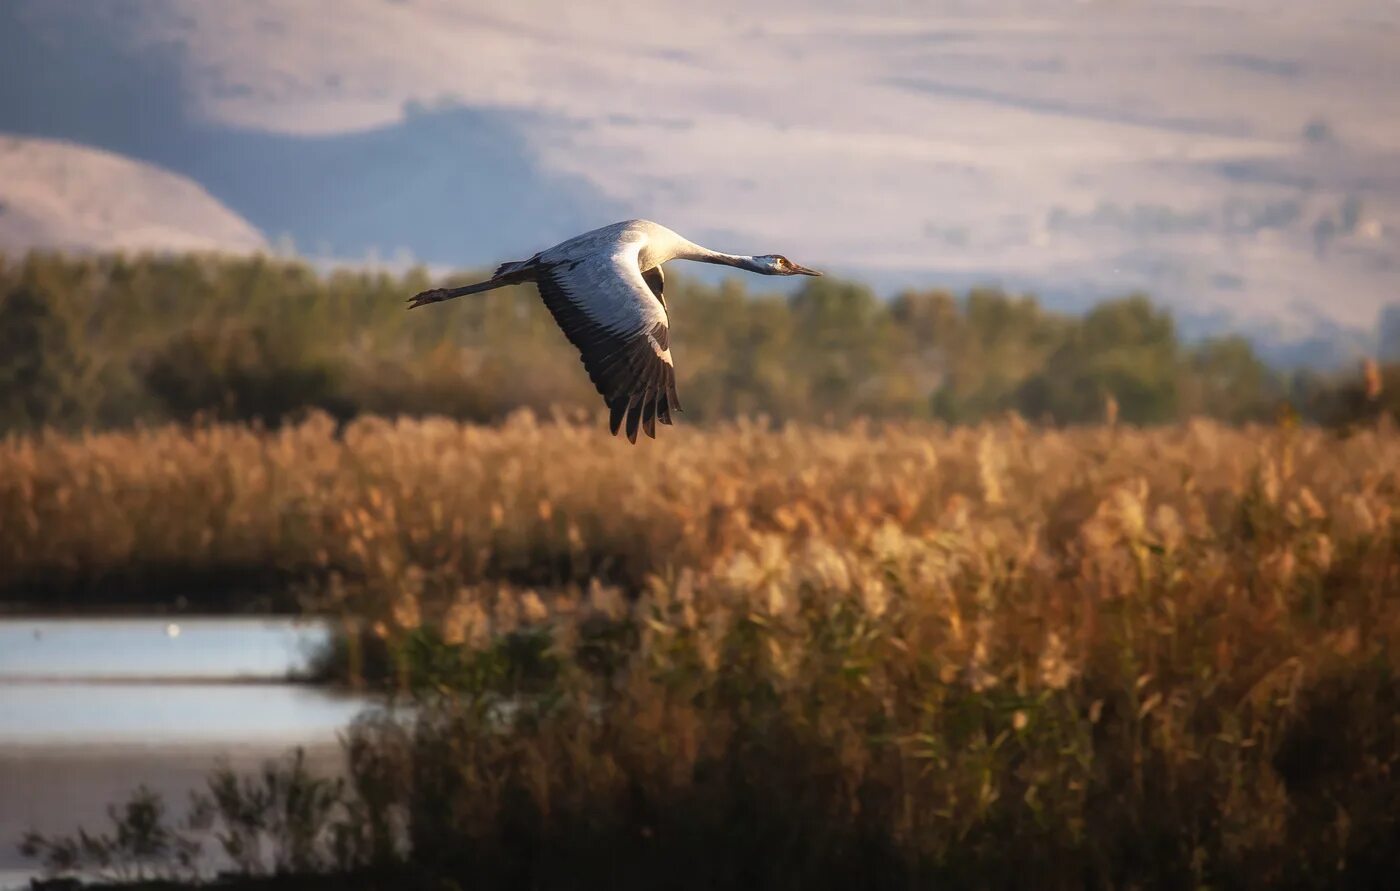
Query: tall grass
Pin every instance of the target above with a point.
(977, 657)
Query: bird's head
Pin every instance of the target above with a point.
(777, 264)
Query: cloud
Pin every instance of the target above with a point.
(1084, 148)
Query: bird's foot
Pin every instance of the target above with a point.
(425, 297)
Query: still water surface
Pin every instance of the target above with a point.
(92, 708)
(164, 648)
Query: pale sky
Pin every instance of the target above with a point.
(1235, 159)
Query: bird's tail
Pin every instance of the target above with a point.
(506, 274)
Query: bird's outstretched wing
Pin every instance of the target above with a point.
(610, 313)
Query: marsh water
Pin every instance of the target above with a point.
(92, 708)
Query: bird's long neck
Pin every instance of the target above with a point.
(692, 251)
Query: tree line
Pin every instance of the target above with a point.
(109, 341)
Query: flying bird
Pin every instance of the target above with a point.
(604, 289)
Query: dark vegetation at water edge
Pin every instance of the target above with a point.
(115, 341)
(145, 588)
(695, 779)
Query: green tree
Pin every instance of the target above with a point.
(132, 338)
(42, 365)
(239, 372)
(840, 347)
(929, 326)
(1004, 342)
(1224, 378)
(1126, 349)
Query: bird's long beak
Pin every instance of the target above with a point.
(803, 270)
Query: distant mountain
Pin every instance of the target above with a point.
(59, 195)
(1238, 161)
(1390, 333)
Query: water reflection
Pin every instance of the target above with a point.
(91, 709)
(179, 715)
(195, 648)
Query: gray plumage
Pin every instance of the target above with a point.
(605, 290)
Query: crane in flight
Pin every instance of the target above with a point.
(604, 289)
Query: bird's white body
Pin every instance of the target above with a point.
(604, 288)
(656, 244)
(607, 264)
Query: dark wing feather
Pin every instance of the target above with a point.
(656, 280)
(612, 314)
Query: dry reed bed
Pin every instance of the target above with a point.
(964, 532)
(1140, 655)
(562, 503)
